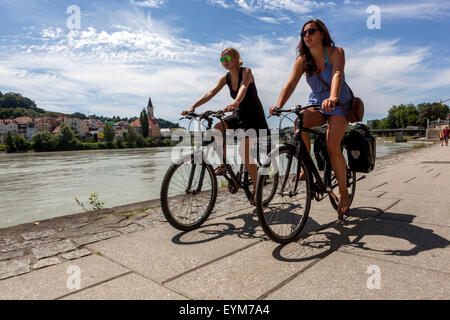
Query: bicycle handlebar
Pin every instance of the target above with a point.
(296, 109)
(205, 115)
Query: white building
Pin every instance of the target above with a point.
(79, 127)
(5, 127)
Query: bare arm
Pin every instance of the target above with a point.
(290, 85)
(247, 78)
(337, 59)
(208, 96)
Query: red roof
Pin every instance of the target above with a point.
(23, 120)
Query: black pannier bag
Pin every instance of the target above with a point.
(320, 151)
(361, 149)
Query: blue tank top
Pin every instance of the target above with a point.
(320, 92)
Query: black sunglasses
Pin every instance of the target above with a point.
(310, 31)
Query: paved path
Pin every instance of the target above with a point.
(394, 245)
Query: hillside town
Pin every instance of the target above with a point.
(85, 129)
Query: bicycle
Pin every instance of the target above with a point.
(286, 216)
(189, 187)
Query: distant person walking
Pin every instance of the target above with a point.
(441, 137)
(446, 134)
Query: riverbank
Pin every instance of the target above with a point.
(397, 225)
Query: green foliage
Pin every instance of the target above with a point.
(10, 146)
(168, 142)
(2, 146)
(144, 123)
(402, 116)
(167, 124)
(66, 137)
(131, 137)
(21, 143)
(45, 141)
(108, 133)
(16, 143)
(95, 203)
(16, 100)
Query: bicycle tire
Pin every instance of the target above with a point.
(175, 216)
(272, 181)
(276, 218)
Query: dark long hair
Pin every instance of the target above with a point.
(303, 50)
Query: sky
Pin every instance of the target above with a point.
(108, 57)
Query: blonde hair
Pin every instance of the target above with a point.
(235, 53)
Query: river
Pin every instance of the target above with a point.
(38, 186)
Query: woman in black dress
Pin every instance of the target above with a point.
(248, 112)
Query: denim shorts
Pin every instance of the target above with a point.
(339, 111)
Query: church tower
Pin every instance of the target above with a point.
(154, 130)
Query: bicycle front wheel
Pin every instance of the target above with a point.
(188, 194)
(285, 216)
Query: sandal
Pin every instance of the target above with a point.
(344, 202)
(220, 170)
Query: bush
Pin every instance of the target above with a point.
(45, 141)
(2, 147)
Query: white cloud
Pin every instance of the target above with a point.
(114, 72)
(273, 6)
(149, 3)
(423, 10)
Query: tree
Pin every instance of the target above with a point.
(108, 133)
(66, 136)
(375, 124)
(21, 143)
(431, 111)
(131, 137)
(45, 141)
(9, 141)
(144, 123)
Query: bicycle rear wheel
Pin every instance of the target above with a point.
(188, 194)
(285, 216)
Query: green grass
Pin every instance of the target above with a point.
(418, 146)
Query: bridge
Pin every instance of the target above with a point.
(403, 131)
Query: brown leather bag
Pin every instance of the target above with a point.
(356, 112)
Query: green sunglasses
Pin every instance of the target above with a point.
(228, 58)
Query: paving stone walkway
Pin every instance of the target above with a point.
(393, 245)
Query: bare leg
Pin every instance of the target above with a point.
(244, 151)
(311, 118)
(219, 141)
(336, 130)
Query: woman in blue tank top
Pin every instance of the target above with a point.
(323, 65)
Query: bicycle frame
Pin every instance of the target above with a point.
(318, 186)
(238, 182)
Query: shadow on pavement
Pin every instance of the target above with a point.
(214, 231)
(350, 232)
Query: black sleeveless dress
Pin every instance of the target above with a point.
(250, 113)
